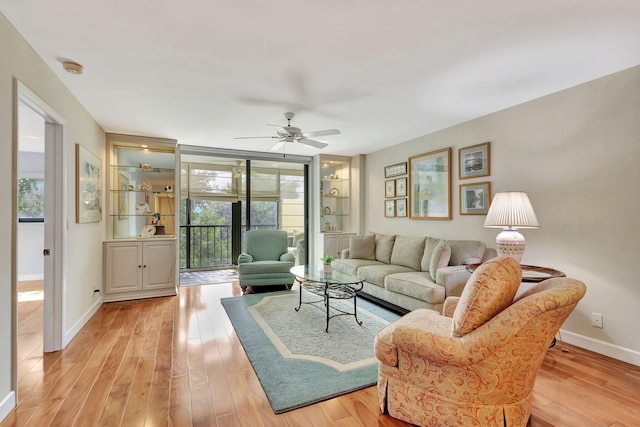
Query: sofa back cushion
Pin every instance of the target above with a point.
(466, 251)
(384, 246)
(489, 290)
(408, 251)
(362, 247)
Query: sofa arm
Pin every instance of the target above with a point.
(288, 257)
(453, 279)
(244, 258)
(344, 254)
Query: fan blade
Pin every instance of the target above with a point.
(282, 128)
(322, 132)
(312, 143)
(278, 145)
(253, 137)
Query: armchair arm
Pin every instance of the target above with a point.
(449, 306)
(427, 334)
(244, 258)
(288, 257)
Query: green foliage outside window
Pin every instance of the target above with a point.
(30, 198)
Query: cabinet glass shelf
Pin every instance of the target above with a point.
(141, 169)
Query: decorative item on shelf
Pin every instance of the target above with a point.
(334, 192)
(145, 187)
(155, 219)
(147, 231)
(334, 227)
(130, 188)
(510, 211)
(327, 226)
(168, 188)
(145, 167)
(143, 208)
(326, 260)
(327, 210)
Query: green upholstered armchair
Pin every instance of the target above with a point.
(265, 260)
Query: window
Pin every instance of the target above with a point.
(30, 200)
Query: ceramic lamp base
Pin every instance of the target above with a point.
(510, 243)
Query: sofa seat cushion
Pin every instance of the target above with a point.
(265, 267)
(351, 266)
(418, 284)
(375, 274)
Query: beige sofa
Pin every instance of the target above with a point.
(411, 272)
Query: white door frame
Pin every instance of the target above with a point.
(55, 214)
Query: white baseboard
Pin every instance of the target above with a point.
(29, 277)
(68, 336)
(601, 347)
(7, 405)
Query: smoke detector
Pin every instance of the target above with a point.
(72, 67)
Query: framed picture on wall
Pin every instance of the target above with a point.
(430, 185)
(475, 198)
(401, 187)
(395, 170)
(390, 188)
(401, 208)
(88, 186)
(389, 208)
(474, 161)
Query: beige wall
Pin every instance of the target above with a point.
(83, 242)
(576, 153)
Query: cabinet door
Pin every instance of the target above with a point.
(332, 245)
(123, 267)
(345, 241)
(159, 264)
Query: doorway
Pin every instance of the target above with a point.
(28, 107)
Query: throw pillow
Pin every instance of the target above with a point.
(466, 251)
(362, 247)
(384, 246)
(408, 251)
(429, 245)
(489, 290)
(439, 258)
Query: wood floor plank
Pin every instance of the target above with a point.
(176, 361)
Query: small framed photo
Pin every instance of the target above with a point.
(401, 208)
(389, 208)
(401, 187)
(390, 188)
(475, 198)
(474, 161)
(395, 170)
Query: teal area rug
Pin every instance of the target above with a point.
(296, 361)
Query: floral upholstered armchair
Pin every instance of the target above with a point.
(476, 364)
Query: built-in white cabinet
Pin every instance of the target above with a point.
(140, 257)
(139, 268)
(334, 243)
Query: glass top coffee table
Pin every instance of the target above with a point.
(327, 286)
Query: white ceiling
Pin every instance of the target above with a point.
(382, 72)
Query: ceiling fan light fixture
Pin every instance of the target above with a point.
(72, 67)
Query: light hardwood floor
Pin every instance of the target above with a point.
(177, 361)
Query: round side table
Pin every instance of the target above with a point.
(530, 273)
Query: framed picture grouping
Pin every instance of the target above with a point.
(474, 161)
(88, 186)
(430, 185)
(475, 198)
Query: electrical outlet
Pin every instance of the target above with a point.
(596, 320)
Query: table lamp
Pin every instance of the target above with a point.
(510, 211)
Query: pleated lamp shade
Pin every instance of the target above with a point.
(511, 210)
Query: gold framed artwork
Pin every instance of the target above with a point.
(88, 186)
(401, 208)
(474, 161)
(430, 185)
(395, 170)
(475, 198)
(401, 187)
(390, 188)
(389, 208)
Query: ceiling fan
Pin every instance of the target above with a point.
(294, 134)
